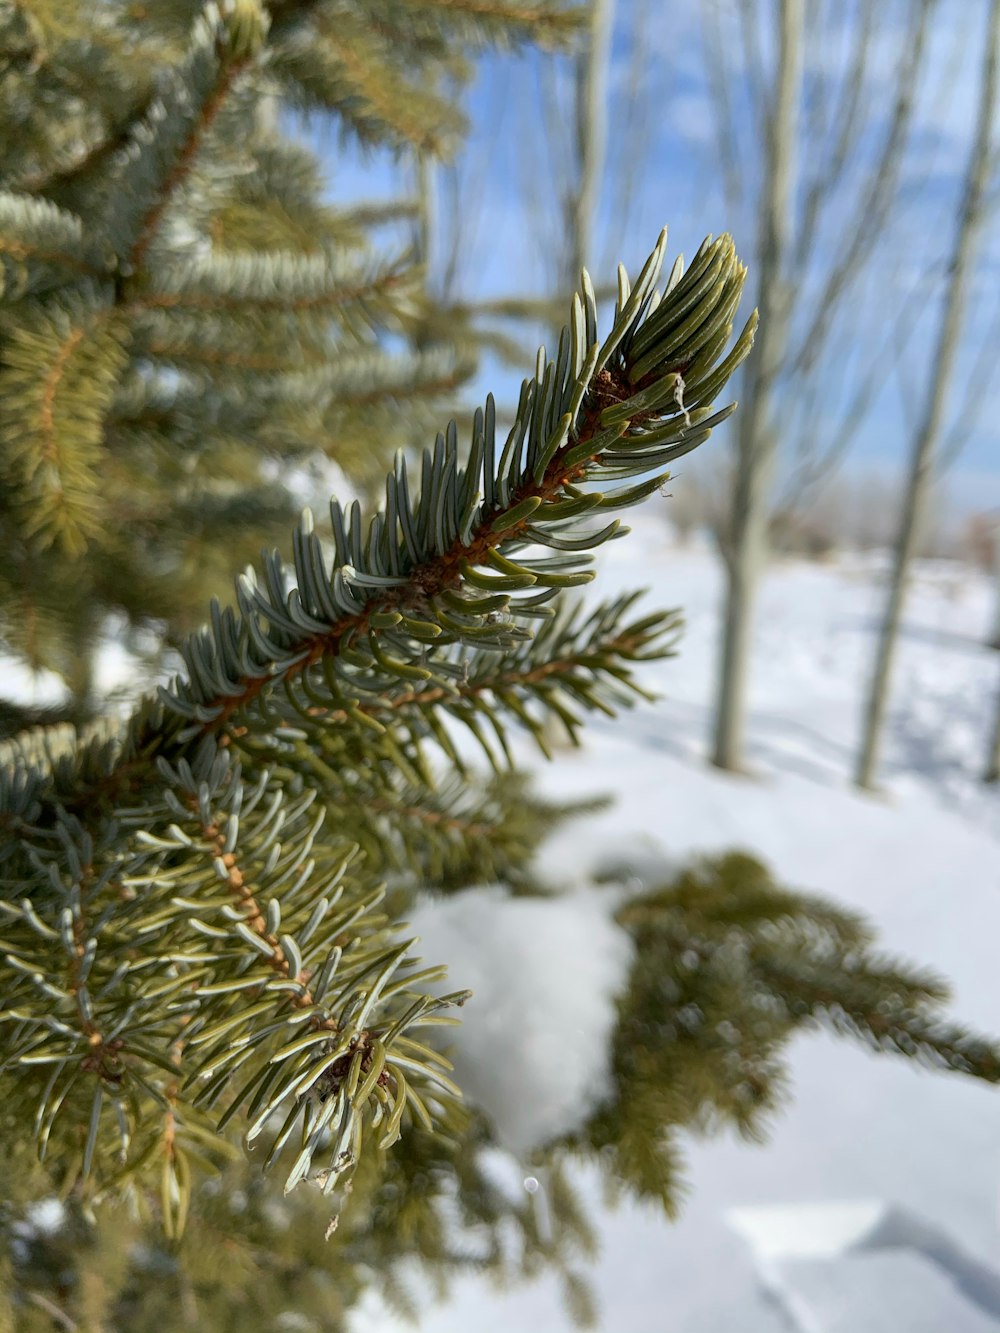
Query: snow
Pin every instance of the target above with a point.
(922, 860)
(850, 1296)
(950, 1291)
(534, 1056)
(807, 1231)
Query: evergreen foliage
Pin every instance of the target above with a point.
(185, 319)
(219, 824)
(728, 966)
(434, 1210)
(206, 968)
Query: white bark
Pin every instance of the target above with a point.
(994, 638)
(992, 773)
(747, 549)
(819, 143)
(928, 435)
(591, 137)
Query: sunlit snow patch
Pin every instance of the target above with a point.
(533, 1047)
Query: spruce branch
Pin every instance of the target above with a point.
(347, 65)
(38, 237)
(203, 315)
(61, 363)
(728, 965)
(163, 147)
(208, 359)
(419, 573)
(211, 81)
(432, 28)
(887, 1007)
(446, 833)
(464, 562)
(276, 282)
(587, 657)
(493, 20)
(357, 386)
(93, 157)
(268, 963)
(269, 984)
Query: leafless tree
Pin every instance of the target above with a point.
(929, 433)
(994, 638)
(992, 772)
(827, 152)
(746, 550)
(591, 134)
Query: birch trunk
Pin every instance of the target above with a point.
(994, 638)
(746, 550)
(992, 773)
(929, 431)
(591, 138)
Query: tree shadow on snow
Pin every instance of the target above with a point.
(869, 626)
(775, 744)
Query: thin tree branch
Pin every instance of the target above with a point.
(719, 79)
(831, 169)
(871, 211)
(228, 74)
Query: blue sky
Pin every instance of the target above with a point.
(662, 166)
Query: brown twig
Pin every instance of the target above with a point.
(185, 160)
(242, 891)
(50, 449)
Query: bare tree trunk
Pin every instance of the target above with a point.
(591, 140)
(994, 638)
(582, 193)
(746, 551)
(591, 133)
(992, 773)
(929, 432)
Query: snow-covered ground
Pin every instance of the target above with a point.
(923, 861)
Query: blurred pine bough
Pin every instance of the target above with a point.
(727, 967)
(189, 323)
(201, 904)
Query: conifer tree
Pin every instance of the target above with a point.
(186, 319)
(206, 971)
